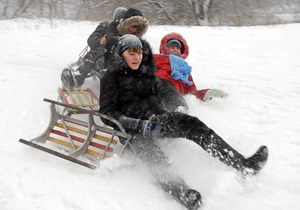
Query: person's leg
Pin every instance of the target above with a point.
(157, 161)
(174, 124)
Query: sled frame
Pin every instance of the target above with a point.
(80, 153)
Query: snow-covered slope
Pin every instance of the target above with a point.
(258, 66)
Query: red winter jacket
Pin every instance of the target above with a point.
(164, 70)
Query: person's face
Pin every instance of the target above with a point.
(133, 58)
(133, 29)
(174, 48)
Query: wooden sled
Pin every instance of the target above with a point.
(82, 139)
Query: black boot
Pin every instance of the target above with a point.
(254, 163)
(187, 197)
(181, 125)
(216, 146)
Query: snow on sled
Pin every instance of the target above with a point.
(77, 134)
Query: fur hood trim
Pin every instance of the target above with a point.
(163, 49)
(136, 21)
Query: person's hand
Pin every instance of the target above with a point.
(214, 93)
(103, 40)
(149, 128)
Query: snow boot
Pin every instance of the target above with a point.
(254, 164)
(192, 200)
(217, 147)
(187, 197)
(67, 78)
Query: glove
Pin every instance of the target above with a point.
(149, 128)
(214, 93)
(182, 109)
(146, 127)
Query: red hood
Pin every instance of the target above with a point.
(163, 44)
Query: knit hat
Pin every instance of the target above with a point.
(174, 41)
(133, 18)
(119, 12)
(128, 41)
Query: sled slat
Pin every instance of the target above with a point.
(76, 138)
(93, 95)
(78, 130)
(69, 145)
(86, 97)
(62, 95)
(72, 97)
(79, 97)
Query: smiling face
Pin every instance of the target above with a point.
(133, 57)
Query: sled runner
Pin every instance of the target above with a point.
(82, 139)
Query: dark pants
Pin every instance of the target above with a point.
(179, 125)
(176, 124)
(158, 163)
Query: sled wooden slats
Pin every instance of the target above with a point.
(78, 97)
(82, 139)
(72, 97)
(87, 98)
(93, 94)
(62, 96)
(84, 132)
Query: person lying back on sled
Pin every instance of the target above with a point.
(101, 42)
(171, 65)
(129, 94)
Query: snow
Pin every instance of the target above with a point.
(258, 66)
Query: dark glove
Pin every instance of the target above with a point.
(149, 128)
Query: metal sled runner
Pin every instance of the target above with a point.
(81, 138)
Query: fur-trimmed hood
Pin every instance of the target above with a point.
(163, 49)
(135, 18)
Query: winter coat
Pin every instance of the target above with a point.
(136, 93)
(164, 69)
(94, 39)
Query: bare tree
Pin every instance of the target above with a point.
(23, 5)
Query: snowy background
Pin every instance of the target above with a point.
(258, 66)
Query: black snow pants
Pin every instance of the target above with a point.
(176, 125)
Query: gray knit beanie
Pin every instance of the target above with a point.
(128, 41)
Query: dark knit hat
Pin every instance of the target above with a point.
(133, 18)
(128, 41)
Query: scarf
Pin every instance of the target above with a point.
(180, 69)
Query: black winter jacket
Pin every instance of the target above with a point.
(94, 39)
(136, 93)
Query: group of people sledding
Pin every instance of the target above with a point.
(144, 92)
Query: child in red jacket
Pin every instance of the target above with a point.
(171, 65)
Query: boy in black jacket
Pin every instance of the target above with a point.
(129, 93)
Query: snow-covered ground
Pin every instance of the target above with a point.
(258, 66)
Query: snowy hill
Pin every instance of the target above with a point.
(258, 66)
